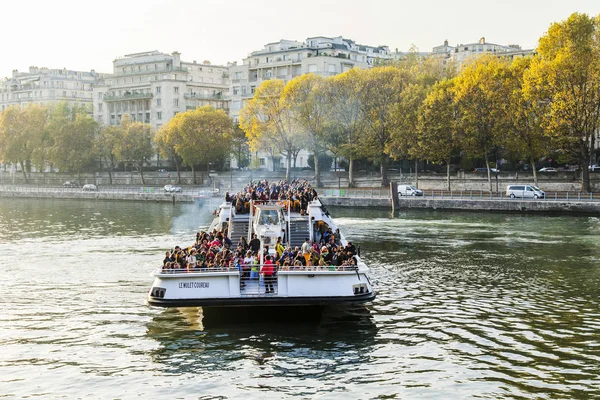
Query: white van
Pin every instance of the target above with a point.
(409, 190)
(524, 192)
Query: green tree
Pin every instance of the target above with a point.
(136, 144)
(566, 79)
(481, 91)
(240, 148)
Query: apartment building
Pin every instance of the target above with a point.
(152, 87)
(287, 59)
(45, 86)
(463, 52)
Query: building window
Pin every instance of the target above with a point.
(158, 102)
(175, 102)
(158, 90)
(159, 115)
(236, 90)
(176, 90)
(100, 107)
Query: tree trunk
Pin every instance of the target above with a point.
(585, 184)
(194, 174)
(178, 171)
(288, 167)
(489, 175)
(110, 176)
(417, 173)
(448, 173)
(79, 176)
(317, 171)
(142, 174)
(351, 172)
(385, 182)
(24, 171)
(535, 176)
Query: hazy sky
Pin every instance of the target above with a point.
(83, 35)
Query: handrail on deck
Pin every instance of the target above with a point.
(313, 268)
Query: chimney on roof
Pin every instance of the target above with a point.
(482, 40)
(446, 43)
(176, 59)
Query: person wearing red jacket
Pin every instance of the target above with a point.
(268, 271)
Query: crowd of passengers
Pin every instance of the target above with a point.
(297, 194)
(215, 249)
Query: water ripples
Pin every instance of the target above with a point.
(469, 306)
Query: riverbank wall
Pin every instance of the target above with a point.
(574, 205)
(114, 196)
(495, 205)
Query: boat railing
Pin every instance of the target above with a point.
(250, 268)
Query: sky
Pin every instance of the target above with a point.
(84, 35)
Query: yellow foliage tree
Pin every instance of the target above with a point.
(566, 79)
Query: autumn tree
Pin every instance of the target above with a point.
(268, 122)
(380, 94)
(166, 141)
(526, 137)
(105, 146)
(566, 78)
(481, 91)
(73, 144)
(199, 136)
(346, 119)
(21, 133)
(437, 125)
(136, 144)
(305, 96)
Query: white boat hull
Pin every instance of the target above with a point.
(222, 288)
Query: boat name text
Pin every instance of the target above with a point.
(193, 285)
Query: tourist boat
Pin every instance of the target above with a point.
(292, 286)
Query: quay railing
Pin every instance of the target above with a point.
(383, 193)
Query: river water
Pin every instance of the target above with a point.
(470, 305)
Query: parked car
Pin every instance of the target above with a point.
(89, 187)
(70, 184)
(547, 169)
(524, 192)
(172, 189)
(594, 168)
(409, 190)
(484, 170)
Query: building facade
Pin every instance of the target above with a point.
(288, 59)
(152, 87)
(45, 86)
(463, 52)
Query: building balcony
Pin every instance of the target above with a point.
(202, 96)
(127, 96)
